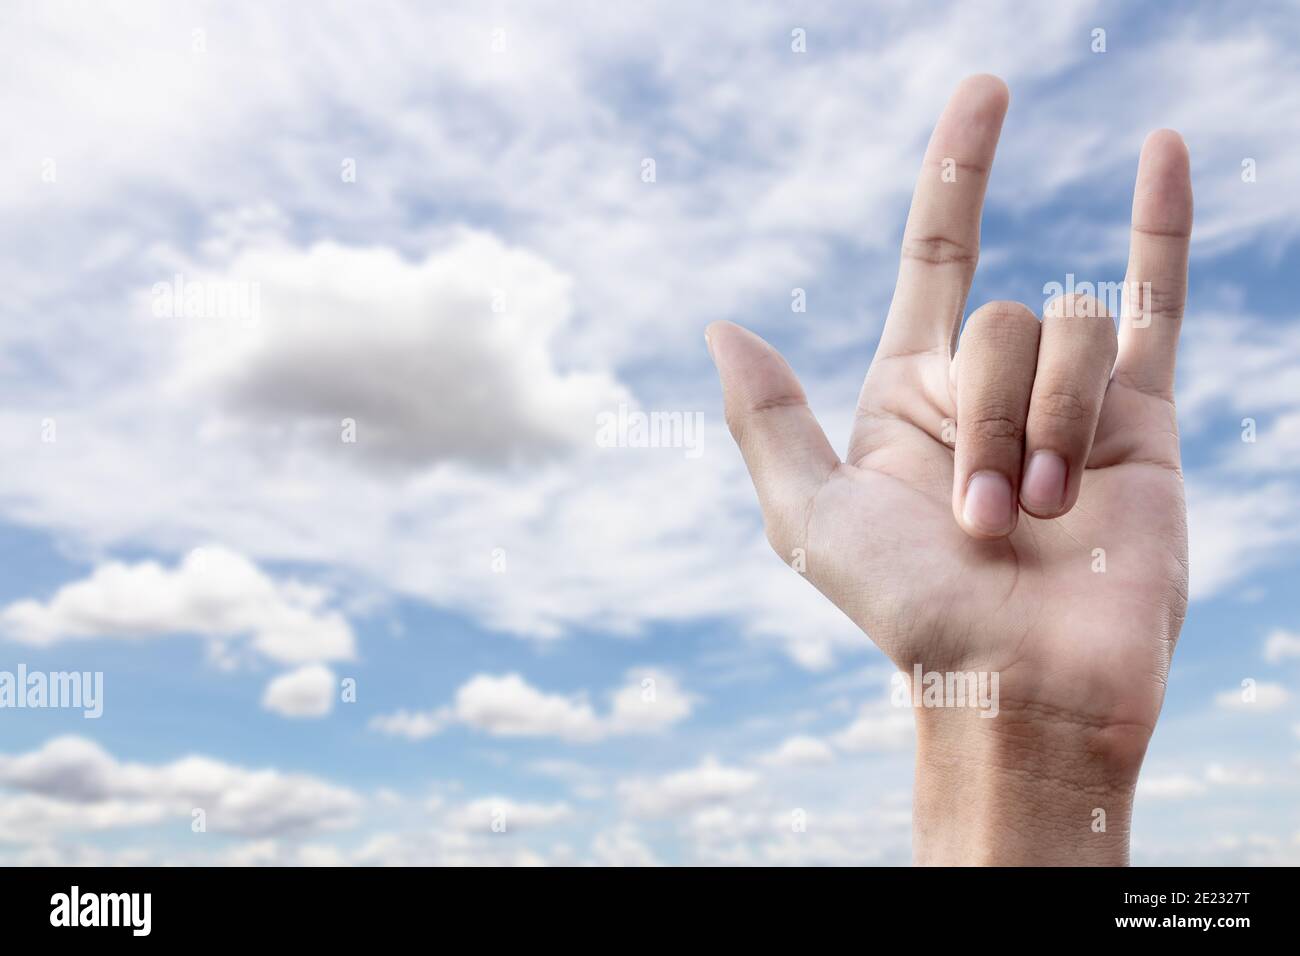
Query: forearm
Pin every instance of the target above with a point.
(1024, 788)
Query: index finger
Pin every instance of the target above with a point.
(942, 237)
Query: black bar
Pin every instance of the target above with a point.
(948, 907)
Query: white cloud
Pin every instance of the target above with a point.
(799, 752)
(710, 782)
(213, 592)
(508, 706)
(308, 691)
(1280, 645)
(1260, 697)
(650, 701)
(445, 358)
(73, 783)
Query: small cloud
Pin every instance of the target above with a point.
(799, 752)
(709, 783)
(1280, 645)
(213, 592)
(308, 691)
(508, 706)
(72, 783)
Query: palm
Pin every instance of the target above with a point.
(990, 605)
(1058, 597)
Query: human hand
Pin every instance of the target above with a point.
(919, 537)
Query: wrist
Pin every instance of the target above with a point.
(1029, 786)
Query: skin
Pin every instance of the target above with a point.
(924, 560)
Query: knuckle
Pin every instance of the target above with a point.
(1159, 301)
(1060, 407)
(940, 250)
(741, 414)
(991, 423)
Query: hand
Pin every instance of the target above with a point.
(919, 537)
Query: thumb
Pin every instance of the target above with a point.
(786, 451)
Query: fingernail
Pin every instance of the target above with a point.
(988, 507)
(708, 344)
(1043, 490)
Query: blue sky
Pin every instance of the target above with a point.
(498, 153)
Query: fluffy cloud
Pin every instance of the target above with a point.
(213, 592)
(73, 783)
(508, 706)
(308, 691)
(1280, 645)
(710, 782)
(441, 359)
